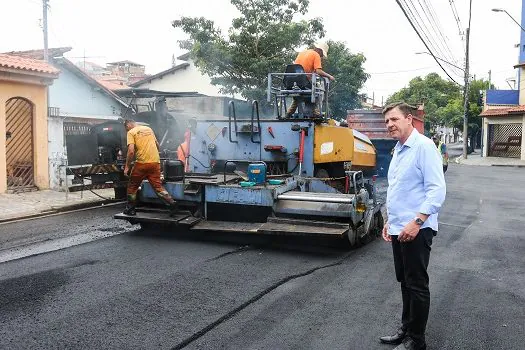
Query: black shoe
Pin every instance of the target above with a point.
(410, 344)
(174, 208)
(395, 339)
(129, 211)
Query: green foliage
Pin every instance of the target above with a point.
(432, 90)
(444, 100)
(261, 40)
(347, 69)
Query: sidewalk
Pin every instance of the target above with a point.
(476, 159)
(29, 204)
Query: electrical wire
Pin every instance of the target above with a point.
(441, 47)
(424, 42)
(430, 13)
(403, 71)
(456, 16)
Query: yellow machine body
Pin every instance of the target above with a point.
(333, 144)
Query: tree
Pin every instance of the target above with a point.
(347, 68)
(261, 40)
(444, 104)
(432, 90)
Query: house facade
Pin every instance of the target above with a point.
(76, 103)
(503, 124)
(23, 121)
(182, 77)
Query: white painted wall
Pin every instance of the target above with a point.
(184, 80)
(56, 151)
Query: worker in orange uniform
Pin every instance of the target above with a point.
(310, 60)
(144, 148)
(183, 150)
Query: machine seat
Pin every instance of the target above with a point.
(300, 80)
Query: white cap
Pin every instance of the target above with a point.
(323, 47)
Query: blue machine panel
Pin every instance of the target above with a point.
(175, 189)
(211, 141)
(259, 196)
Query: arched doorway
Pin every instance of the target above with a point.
(19, 145)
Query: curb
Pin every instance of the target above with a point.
(457, 160)
(509, 165)
(67, 208)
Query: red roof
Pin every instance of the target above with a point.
(112, 85)
(27, 64)
(39, 54)
(504, 111)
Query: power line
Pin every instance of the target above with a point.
(456, 15)
(437, 26)
(424, 29)
(416, 21)
(404, 71)
(424, 42)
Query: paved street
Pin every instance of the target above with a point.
(142, 290)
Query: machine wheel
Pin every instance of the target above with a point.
(352, 237)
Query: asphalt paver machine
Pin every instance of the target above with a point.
(290, 175)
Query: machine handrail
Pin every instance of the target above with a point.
(231, 112)
(242, 161)
(255, 112)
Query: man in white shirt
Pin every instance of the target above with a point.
(416, 191)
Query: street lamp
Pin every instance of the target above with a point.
(503, 10)
(438, 58)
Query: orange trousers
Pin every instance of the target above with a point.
(151, 172)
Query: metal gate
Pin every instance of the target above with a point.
(81, 144)
(505, 140)
(19, 145)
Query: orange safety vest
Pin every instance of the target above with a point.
(183, 151)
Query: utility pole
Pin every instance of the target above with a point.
(44, 20)
(465, 98)
(466, 91)
(482, 119)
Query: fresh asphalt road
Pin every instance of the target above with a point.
(139, 290)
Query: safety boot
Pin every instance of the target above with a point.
(130, 210)
(174, 208)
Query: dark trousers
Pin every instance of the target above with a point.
(411, 262)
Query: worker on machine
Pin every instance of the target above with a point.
(144, 148)
(310, 60)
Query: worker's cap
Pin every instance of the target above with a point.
(323, 47)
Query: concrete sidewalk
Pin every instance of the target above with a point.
(15, 206)
(476, 159)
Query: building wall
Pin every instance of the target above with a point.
(502, 120)
(75, 97)
(521, 83)
(182, 80)
(76, 100)
(37, 95)
(57, 152)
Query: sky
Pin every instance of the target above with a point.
(141, 31)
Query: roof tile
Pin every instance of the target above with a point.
(27, 64)
(503, 111)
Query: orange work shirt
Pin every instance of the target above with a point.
(145, 144)
(310, 60)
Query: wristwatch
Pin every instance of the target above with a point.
(418, 221)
